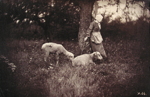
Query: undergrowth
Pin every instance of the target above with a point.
(125, 76)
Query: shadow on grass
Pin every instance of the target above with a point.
(125, 76)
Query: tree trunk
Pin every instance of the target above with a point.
(85, 19)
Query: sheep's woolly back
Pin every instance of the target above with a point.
(82, 59)
(57, 49)
(54, 47)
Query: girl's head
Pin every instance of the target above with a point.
(99, 18)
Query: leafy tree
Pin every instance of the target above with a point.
(51, 13)
(47, 14)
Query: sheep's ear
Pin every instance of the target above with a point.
(94, 54)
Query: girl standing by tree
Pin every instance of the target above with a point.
(93, 32)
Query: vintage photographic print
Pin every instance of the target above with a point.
(74, 48)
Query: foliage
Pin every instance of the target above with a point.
(60, 18)
(127, 46)
(126, 75)
(36, 20)
(134, 29)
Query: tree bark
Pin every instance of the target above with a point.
(85, 19)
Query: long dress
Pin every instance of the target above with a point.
(96, 38)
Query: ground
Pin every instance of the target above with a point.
(127, 74)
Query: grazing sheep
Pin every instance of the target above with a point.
(86, 59)
(56, 49)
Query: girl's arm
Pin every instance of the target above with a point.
(89, 30)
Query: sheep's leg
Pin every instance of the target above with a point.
(46, 56)
(57, 59)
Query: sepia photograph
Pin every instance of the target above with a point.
(74, 48)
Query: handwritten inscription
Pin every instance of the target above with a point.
(141, 93)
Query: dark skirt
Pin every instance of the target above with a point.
(99, 48)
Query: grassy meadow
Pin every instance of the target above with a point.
(25, 26)
(127, 75)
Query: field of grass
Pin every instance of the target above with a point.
(127, 75)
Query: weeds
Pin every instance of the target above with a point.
(122, 77)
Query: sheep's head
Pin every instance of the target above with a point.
(97, 56)
(70, 55)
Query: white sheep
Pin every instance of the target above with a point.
(86, 59)
(57, 49)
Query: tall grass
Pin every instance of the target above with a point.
(126, 75)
